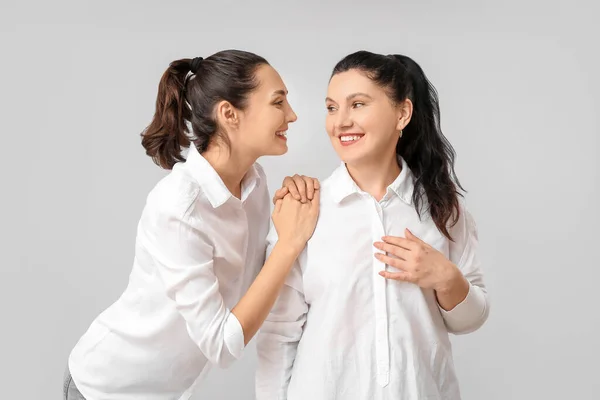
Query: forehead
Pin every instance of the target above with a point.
(268, 79)
(352, 81)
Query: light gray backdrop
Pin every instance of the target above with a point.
(518, 84)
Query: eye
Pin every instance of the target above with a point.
(278, 103)
(358, 104)
(330, 109)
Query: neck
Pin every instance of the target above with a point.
(230, 166)
(374, 176)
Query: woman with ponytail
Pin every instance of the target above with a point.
(195, 295)
(352, 322)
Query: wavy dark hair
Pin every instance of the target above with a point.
(423, 146)
(188, 92)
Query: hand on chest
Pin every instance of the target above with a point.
(340, 255)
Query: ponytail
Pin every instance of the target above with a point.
(167, 134)
(186, 99)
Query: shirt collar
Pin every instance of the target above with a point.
(212, 184)
(344, 186)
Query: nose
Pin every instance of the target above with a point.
(343, 120)
(291, 115)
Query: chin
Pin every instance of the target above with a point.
(277, 151)
(349, 156)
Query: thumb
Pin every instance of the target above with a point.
(280, 194)
(411, 236)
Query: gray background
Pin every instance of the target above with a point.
(518, 84)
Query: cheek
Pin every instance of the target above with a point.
(377, 122)
(265, 122)
(276, 118)
(367, 119)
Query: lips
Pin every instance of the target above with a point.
(348, 139)
(281, 134)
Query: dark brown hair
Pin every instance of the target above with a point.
(190, 97)
(423, 146)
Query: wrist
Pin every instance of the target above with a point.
(290, 247)
(453, 278)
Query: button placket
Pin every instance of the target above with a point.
(382, 352)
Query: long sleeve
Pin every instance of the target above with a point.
(473, 311)
(183, 257)
(278, 338)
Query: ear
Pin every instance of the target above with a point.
(227, 115)
(404, 112)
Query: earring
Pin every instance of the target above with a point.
(400, 134)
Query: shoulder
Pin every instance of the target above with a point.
(330, 185)
(465, 225)
(262, 185)
(174, 194)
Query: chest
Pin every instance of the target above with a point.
(339, 259)
(238, 238)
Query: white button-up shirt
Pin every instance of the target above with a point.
(339, 330)
(198, 249)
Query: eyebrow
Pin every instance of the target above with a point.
(351, 96)
(279, 92)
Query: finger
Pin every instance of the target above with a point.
(400, 242)
(391, 261)
(278, 205)
(301, 185)
(310, 187)
(280, 194)
(289, 183)
(411, 236)
(397, 276)
(316, 201)
(399, 252)
(316, 184)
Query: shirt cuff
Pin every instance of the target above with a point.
(466, 315)
(234, 336)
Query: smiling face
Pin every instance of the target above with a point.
(363, 123)
(264, 122)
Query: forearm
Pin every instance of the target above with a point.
(453, 290)
(463, 303)
(253, 308)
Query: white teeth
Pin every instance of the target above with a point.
(281, 133)
(349, 138)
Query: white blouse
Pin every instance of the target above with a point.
(341, 331)
(198, 249)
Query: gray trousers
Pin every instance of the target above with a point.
(69, 389)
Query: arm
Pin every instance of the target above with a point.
(278, 338)
(472, 309)
(184, 259)
(254, 307)
(457, 281)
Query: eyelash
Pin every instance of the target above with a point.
(278, 103)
